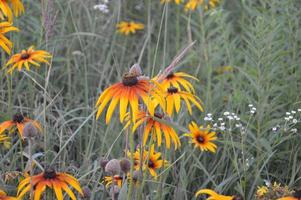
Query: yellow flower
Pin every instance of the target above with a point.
(3, 196)
(5, 43)
(18, 122)
(261, 191)
(173, 100)
(6, 11)
(5, 140)
(214, 196)
(27, 57)
(129, 92)
(168, 1)
(202, 137)
(57, 181)
(193, 4)
(151, 160)
(178, 80)
(117, 180)
(129, 27)
(156, 127)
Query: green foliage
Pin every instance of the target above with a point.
(259, 39)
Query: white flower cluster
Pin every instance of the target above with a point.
(252, 109)
(102, 7)
(220, 123)
(290, 119)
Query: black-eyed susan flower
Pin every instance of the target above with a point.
(4, 196)
(193, 4)
(5, 140)
(5, 43)
(51, 179)
(179, 81)
(127, 28)
(151, 160)
(18, 121)
(7, 12)
(202, 137)
(215, 196)
(296, 196)
(174, 97)
(18, 7)
(156, 127)
(128, 93)
(26, 58)
(168, 1)
(117, 179)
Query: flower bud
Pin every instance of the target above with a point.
(113, 167)
(30, 131)
(125, 165)
(103, 162)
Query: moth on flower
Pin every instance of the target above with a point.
(134, 88)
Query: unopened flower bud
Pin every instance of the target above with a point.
(113, 167)
(125, 165)
(30, 131)
(103, 162)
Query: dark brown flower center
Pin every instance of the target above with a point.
(159, 115)
(172, 90)
(170, 75)
(151, 164)
(18, 118)
(25, 56)
(297, 194)
(128, 80)
(200, 139)
(49, 173)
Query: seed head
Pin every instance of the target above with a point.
(125, 165)
(113, 167)
(30, 131)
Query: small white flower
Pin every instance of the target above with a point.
(220, 119)
(230, 117)
(209, 114)
(254, 109)
(290, 117)
(267, 183)
(293, 112)
(299, 109)
(287, 113)
(294, 130)
(101, 7)
(226, 113)
(295, 121)
(223, 124)
(275, 128)
(208, 119)
(286, 118)
(233, 114)
(238, 125)
(237, 118)
(222, 128)
(215, 125)
(250, 105)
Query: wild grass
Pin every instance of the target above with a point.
(259, 39)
